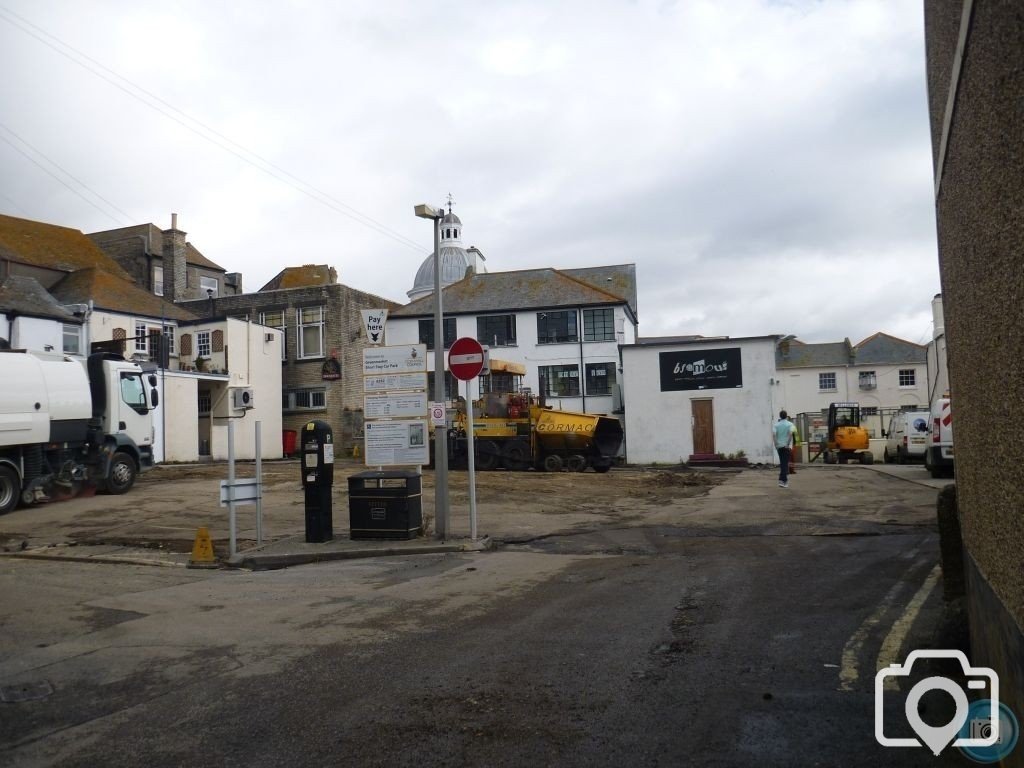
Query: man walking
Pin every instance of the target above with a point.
(784, 432)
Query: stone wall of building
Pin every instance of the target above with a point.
(344, 341)
(980, 217)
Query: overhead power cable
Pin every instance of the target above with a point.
(50, 173)
(199, 128)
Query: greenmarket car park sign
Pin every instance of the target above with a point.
(701, 369)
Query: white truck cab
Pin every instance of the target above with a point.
(938, 459)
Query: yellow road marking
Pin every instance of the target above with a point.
(849, 667)
(898, 633)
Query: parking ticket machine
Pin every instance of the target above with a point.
(317, 450)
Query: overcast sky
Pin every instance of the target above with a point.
(766, 165)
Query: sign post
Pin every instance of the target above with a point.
(465, 361)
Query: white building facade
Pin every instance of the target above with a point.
(696, 399)
(564, 328)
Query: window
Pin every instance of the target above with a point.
(500, 382)
(204, 403)
(600, 378)
(560, 380)
(867, 379)
(451, 386)
(202, 343)
(133, 392)
(158, 281)
(427, 332)
(908, 377)
(277, 319)
(496, 330)
(314, 399)
(140, 337)
(72, 339)
(169, 335)
(827, 382)
(310, 323)
(599, 324)
(209, 284)
(557, 327)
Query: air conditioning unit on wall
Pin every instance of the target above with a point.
(242, 398)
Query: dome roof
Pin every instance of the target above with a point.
(454, 262)
(455, 259)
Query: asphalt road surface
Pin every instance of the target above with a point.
(680, 643)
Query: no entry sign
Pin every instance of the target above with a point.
(466, 358)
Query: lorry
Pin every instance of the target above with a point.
(519, 432)
(846, 438)
(938, 459)
(907, 436)
(66, 426)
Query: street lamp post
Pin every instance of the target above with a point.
(440, 433)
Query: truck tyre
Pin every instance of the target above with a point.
(516, 455)
(553, 463)
(122, 474)
(886, 458)
(487, 455)
(602, 467)
(576, 463)
(867, 458)
(10, 489)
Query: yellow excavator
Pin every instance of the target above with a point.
(846, 439)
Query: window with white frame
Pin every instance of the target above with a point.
(560, 380)
(277, 319)
(72, 343)
(202, 343)
(867, 380)
(209, 286)
(600, 378)
(827, 382)
(169, 335)
(908, 377)
(140, 337)
(307, 399)
(158, 281)
(310, 323)
(599, 324)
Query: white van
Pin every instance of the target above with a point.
(907, 437)
(938, 459)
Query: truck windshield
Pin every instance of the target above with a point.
(133, 392)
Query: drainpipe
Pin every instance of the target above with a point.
(583, 367)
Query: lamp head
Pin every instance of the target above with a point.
(425, 211)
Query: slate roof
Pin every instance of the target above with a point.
(52, 247)
(527, 289)
(306, 276)
(153, 237)
(619, 279)
(879, 349)
(25, 297)
(114, 294)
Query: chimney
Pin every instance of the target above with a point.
(174, 261)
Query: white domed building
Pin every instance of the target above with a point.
(455, 260)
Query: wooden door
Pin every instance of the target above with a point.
(703, 421)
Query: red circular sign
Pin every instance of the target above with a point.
(466, 358)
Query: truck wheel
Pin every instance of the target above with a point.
(886, 458)
(576, 463)
(553, 463)
(516, 455)
(10, 489)
(867, 458)
(487, 455)
(602, 468)
(122, 474)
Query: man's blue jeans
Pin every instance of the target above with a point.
(784, 454)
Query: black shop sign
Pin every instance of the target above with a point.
(701, 369)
